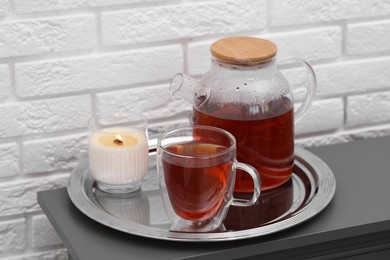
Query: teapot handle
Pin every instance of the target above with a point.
(311, 86)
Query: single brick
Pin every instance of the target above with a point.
(53, 153)
(97, 3)
(4, 81)
(41, 36)
(368, 109)
(321, 140)
(322, 116)
(153, 102)
(39, 6)
(353, 77)
(161, 23)
(44, 116)
(368, 37)
(12, 237)
(3, 7)
(290, 12)
(9, 162)
(34, 6)
(343, 136)
(43, 234)
(59, 254)
(100, 71)
(20, 196)
(311, 45)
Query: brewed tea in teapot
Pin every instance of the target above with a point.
(245, 94)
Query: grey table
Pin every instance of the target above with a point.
(354, 226)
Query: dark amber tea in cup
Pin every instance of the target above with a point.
(265, 139)
(196, 187)
(197, 167)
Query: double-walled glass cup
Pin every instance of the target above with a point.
(197, 171)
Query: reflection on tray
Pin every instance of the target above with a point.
(129, 208)
(271, 206)
(144, 208)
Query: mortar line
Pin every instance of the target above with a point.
(99, 36)
(185, 50)
(345, 106)
(29, 232)
(94, 105)
(84, 10)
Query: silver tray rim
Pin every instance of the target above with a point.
(311, 164)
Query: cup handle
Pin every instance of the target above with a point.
(311, 87)
(257, 183)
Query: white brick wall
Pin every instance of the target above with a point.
(62, 61)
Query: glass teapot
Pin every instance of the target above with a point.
(245, 94)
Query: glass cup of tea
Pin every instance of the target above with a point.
(118, 151)
(197, 172)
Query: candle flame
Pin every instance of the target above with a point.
(118, 140)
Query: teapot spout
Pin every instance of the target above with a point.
(184, 86)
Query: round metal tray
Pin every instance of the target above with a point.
(309, 191)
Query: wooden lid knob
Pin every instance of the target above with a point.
(243, 50)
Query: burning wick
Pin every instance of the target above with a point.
(118, 140)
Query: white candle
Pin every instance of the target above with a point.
(118, 156)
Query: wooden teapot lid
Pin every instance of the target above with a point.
(243, 50)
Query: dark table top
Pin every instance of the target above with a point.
(360, 208)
